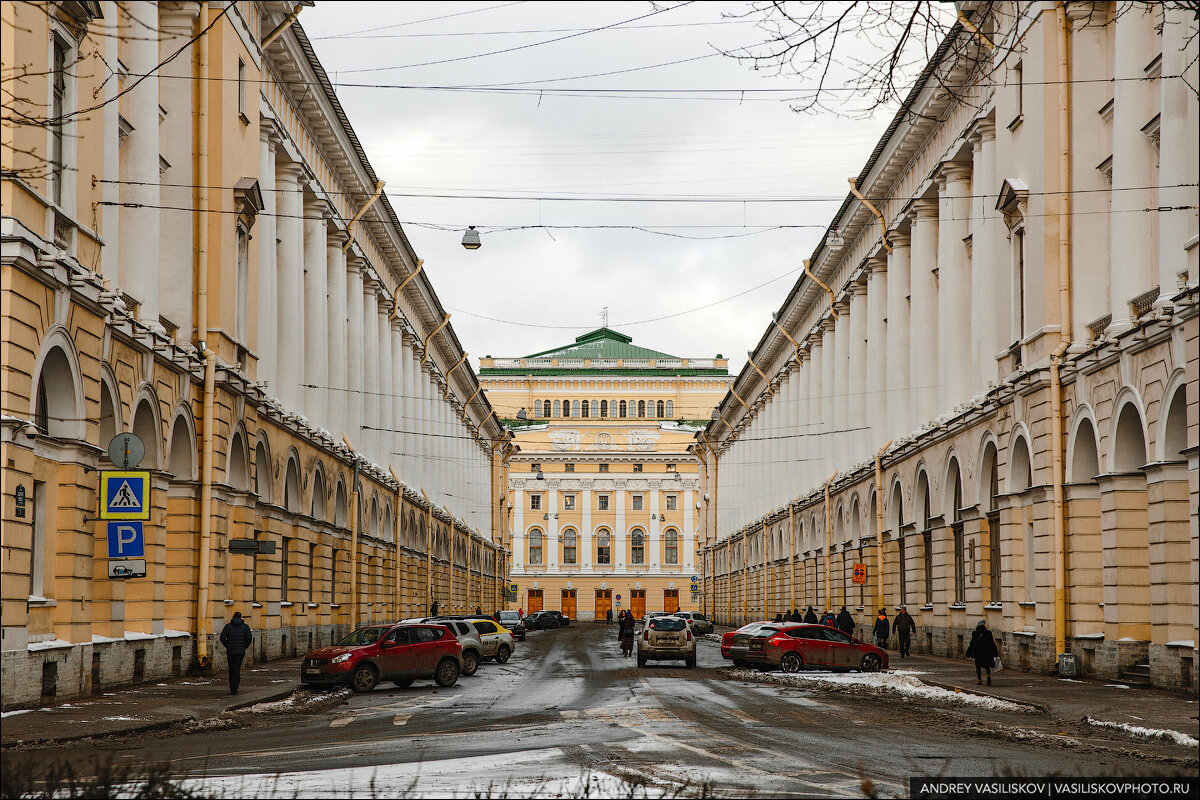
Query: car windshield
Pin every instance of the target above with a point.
(667, 624)
(362, 636)
(510, 616)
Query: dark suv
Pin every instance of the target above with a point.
(398, 653)
(563, 619)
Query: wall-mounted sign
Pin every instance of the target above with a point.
(19, 498)
(860, 573)
(125, 495)
(126, 540)
(126, 569)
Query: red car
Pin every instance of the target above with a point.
(793, 646)
(397, 653)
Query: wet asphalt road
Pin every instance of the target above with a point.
(567, 704)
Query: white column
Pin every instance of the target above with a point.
(110, 215)
(139, 229)
(984, 260)
(859, 414)
(830, 367)
(266, 344)
(899, 396)
(954, 288)
(923, 342)
(337, 399)
(398, 364)
(841, 381)
(354, 354)
(814, 424)
(420, 422)
(877, 367)
(619, 498)
(585, 535)
(654, 531)
(551, 553)
(370, 347)
(316, 313)
(290, 264)
(386, 375)
(798, 422)
(1177, 149)
(177, 232)
(1130, 270)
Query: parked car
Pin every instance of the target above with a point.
(399, 653)
(540, 620)
(666, 638)
(735, 645)
(468, 637)
(795, 646)
(563, 619)
(497, 641)
(512, 621)
(700, 623)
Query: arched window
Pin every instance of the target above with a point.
(574, 408)
(318, 494)
(108, 415)
(670, 408)
(1129, 441)
(926, 535)
(624, 409)
(661, 408)
(671, 541)
(341, 509)
(587, 408)
(237, 470)
(182, 453)
(373, 520)
(603, 408)
(956, 531)
(570, 547)
(55, 408)
(641, 408)
(291, 487)
(603, 546)
(1175, 427)
(262, 471)
(535, 546)
(992, 504)
(546, 409)
(557, 408)
(145, 427)
(566, 407)
(637, 550)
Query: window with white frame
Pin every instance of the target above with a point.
(672, 502)
(535, 502)
(637, 502)
(568, 501)
(602, 502)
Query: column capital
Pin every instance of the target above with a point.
(924, 209)
(899, 238)
(827, 323)
(953, 172)
(1080, 12)
(317, 207)
(291, 171)
(336, 237)
(178, 14)
(355, 265)
(985, 131)
(876, 264)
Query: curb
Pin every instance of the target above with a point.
(75, 737)
(954, 688)
(283, 694)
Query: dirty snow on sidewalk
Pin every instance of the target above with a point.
(901, 682)
(1181, 739)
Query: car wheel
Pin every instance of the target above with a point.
(446, 673)
(470, 663)
(403, 683)
(690, 663)
(502, 654)
(791, 662)
(364, 679)
(641, 662)
(871, 663)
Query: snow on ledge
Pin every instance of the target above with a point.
(1181, 739)
(1188, 643)
(53, 644)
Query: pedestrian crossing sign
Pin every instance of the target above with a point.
(125, 495)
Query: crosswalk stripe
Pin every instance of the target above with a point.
(341, 722)
(400, 719)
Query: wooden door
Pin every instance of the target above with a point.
(603, 603)
(535, 601)
(670, 600)
(637, 603)
(568, 603)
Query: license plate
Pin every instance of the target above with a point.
(312, 672)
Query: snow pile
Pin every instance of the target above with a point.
(1181, 739)
(711, 637)
(902, 682)
(300, 701)
(4, 714)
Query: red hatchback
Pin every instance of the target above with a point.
(397, 653)
(793, 646)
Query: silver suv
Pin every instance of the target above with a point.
(468, 637)
(496, 643)
(700, 624)
(666, 639)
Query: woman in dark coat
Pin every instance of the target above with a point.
(810, 616)
(625, 633)
(983, 650)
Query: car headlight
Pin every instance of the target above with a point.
(340, 659)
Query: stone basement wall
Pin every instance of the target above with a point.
(54, 672)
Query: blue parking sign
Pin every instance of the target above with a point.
(126, 540)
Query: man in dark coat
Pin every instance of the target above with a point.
(608, 617)
(237, 638)
(983, 650)
(845, 622)
(810, 616)
(433, 609)
(904, 627)
(882, 629)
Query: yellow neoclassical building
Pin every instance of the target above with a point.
(603, 497)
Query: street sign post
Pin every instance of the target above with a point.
(126, 540)
(125, 495)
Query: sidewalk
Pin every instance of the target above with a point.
(150, 706)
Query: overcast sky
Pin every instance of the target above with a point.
(649, 131)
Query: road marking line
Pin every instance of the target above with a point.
(570, 714)
(400, 719)
(743, 716)
(342, 722)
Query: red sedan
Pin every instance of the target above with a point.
(398, 653)
(793, 646)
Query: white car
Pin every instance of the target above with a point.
(496, 643)
(698, 622)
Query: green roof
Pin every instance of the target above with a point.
(602, 343)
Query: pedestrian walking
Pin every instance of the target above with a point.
(830, 619)
(845, 622)
(237, 638)
(904, 627)
(433, 609)
(778, 618)
(983, 649)
(810, 616)
(625, 633)
(478, 611)
(608, 617)
(882, 629)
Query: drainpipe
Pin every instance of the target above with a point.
(280, 28)
(761, 374)
(428, 550)
(432, 333)
(879, 520)
(450, 372)
(210, 358)
(879, 216)
(396, 536)
(828, 547)
(400, 289)
(1060, 527)
(792, 553)
(355, 499)
(832, 300)
(206, 501)
(358, 215)
(766, 580)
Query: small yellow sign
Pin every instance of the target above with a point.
(125, 495)
(860, 573)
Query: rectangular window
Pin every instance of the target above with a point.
(569, 467)
(993, 525)
(960, 580)
(283, 569)
(637, 467)
(1019, 265)
(602, 502)
(312, 572)
(637, 502)
(672, 502)
(568, 502)
(37, 556)
(1019, 83)
(241, 89)
(58, 107)
(927, 553)
(903, 571)
(535, 502)
(604, 554)
(535, 467)
(604, 467)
